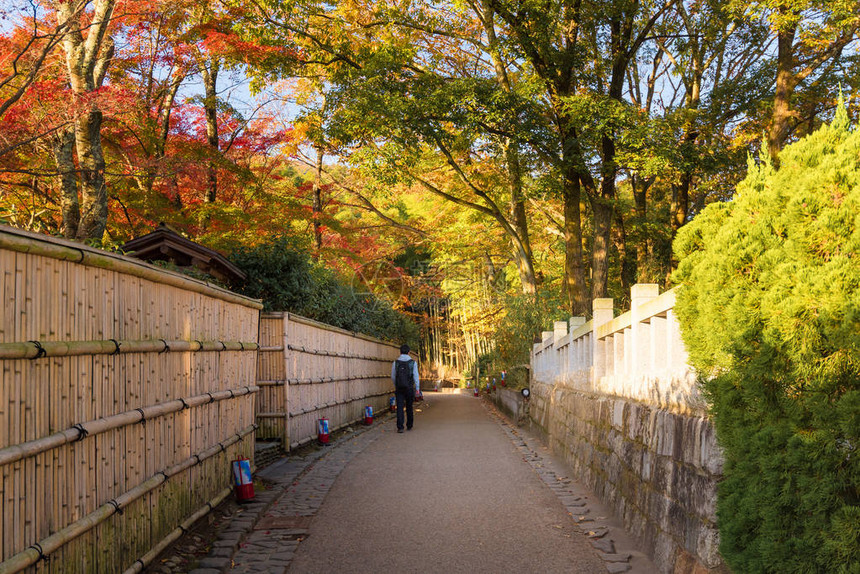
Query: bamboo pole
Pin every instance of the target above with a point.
(322, 353)
(333, 329)
(41, 349)
(334, 403)
(80, 431)
(45, 547)
(24, 242)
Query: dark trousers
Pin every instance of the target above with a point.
(404, 398)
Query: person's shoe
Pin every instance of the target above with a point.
(408, 428)
(399, 430)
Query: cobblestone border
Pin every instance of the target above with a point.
(600, 530)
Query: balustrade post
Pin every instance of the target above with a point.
(576, 360)
(602, 313)
(559, 330)
(639, 347)
(546, 355)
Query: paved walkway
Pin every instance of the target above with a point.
(464, 491)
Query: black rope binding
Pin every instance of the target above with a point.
(184, 404)
(38, 548)
(115, 504)
(223, 345)
(82, 432)
(40, 350)
(242, 345)
(139, 561)
(142, 416)
(199, 342)
(116, 344)
(166, 348)
(211, 399)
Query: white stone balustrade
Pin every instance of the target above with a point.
(638, 355)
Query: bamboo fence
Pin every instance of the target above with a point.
(125, 393)
(308, 370)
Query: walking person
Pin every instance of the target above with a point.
(404, 374)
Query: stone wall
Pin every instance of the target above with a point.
(511, 403)
(619, 404)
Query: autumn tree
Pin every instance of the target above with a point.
(89, 49)
(339, 54)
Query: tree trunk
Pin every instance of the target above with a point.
(643, 245)
(210, 104)
(64, 154)
(778, 130)
(619, 238)
(523, 256)
(603, 212)
(86, 62)
(91, 163)
(317, 202)
(574, 270)
(680, 204)
(603, 208)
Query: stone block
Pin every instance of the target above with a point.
(661, 474)
(711, 455)
(657, 509)
(664, 552)
(631, 455)
(619, 557)
(605, 545)
(634, 421)
(647, 467)
(618, 414)
(676, 521)
(708, 546)
(630, 486)
(683, 441)
(698, 492)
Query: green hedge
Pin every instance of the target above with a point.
(282, 274)
(770, 311)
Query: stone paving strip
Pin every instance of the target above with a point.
(613, 544)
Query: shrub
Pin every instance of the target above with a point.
(769, 307)
(283, 276)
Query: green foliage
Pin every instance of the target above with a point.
(524, 320)
(283, 276)
(770, 311)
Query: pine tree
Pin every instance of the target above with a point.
(770, 311)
